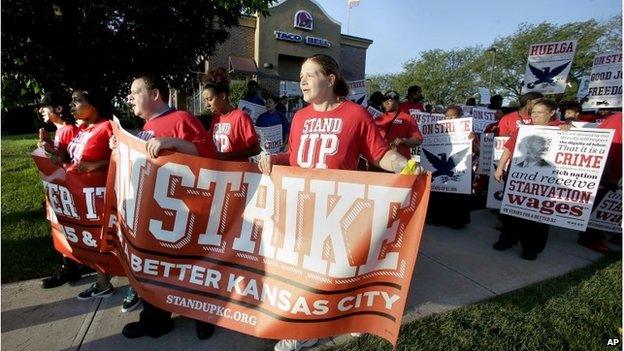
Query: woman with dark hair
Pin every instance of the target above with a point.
(89, 151)
(231, 129)
(54, 110)
(532, 235)
(352, 132)
(449, 209)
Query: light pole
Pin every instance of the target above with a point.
(493, 51)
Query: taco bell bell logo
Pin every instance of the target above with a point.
(303, 20)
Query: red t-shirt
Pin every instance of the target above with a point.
(333, 139)
(615, 152)
(510, 123)
(233, 131)
(404, 126)
(510, 144)
(64, 135)
(181, 125)
(91, 142)
(406, 106)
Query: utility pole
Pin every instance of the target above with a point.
(493, 51)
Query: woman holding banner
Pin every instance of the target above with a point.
(532, 235)
(54, 110)
(331, 132)
(231, 129)
(89, 151)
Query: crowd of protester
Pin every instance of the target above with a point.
(382, 144)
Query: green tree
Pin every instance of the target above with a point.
(451, 76)
(512, 51)
(62, 44)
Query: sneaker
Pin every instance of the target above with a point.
(294, 345)
(93, 291)
(62, 276)
(204, 330)
(596, 245)
(139, 329)
(131, 301)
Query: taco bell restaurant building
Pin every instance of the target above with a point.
(271, 49)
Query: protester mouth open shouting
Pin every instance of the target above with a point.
(331, 133)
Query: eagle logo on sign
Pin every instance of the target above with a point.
(545, 75)
(303, 20)
(444, 166)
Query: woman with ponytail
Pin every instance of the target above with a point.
(231, 129)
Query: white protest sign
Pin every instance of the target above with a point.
(585, 124)
(270, 138)
(496, 188)
(548, 66)
(608, 214)
(481, 118)
(357, 92)
(486, 148)
(253, 110)
(485, 95)
(374, 112)
(583, 88)
(605, 82)
(446, 151)
(290, 88)
(554, 175)
(466, 110)
(426, 117)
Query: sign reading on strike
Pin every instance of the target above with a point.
(605, 82)
(303, 253)
(446, 151)
(554, 175)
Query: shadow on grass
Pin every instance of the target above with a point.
(16, 217)
(28, 258)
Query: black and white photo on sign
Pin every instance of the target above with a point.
(554, 174)
(548, 66)
(446, 152)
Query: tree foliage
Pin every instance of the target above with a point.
(451, 76)
(62, 44)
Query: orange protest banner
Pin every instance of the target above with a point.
(301, 254)
(75, 209)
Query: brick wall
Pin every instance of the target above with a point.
(240, 43)
(352, 62)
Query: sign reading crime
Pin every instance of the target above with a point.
(554, 174)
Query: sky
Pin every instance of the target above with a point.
(401, 29)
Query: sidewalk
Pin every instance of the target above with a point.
(454, 268)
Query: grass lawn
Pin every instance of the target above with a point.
(577, 311)
(27, 250)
